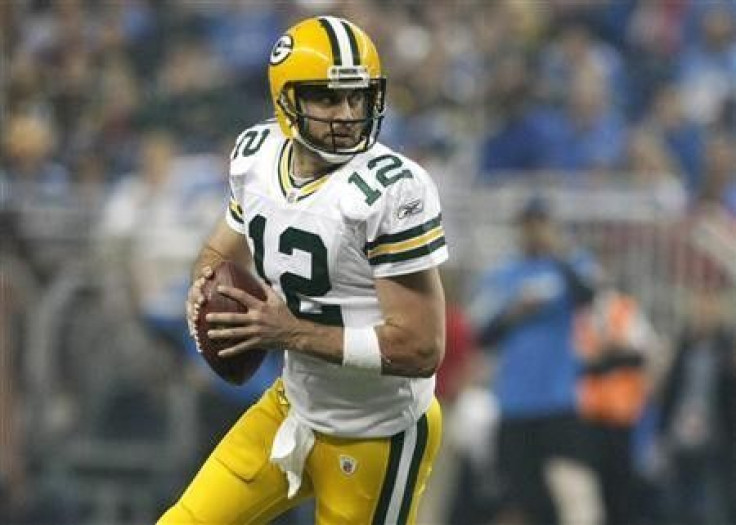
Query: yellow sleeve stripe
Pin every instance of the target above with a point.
(419, 246)
(409, 244)
(236, 212)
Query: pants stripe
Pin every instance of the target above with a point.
(416, 461)
(405, 457)
(397, 443)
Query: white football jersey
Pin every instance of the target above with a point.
(321, 245)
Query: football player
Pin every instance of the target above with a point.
(346, 235)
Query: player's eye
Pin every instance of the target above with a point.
(331, 98)
(356, 97)
(319, 95)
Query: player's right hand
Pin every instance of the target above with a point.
(195, 299)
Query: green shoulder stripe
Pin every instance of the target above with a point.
(414, 253)
(416, 231)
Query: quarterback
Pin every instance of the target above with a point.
(346, 236)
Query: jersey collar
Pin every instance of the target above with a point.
(292, 191)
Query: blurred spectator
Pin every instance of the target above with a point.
(525, 309)
(462, 371)
(41, 200)
(193, 98)
(575, 49)
(517, 128)
(472, 428)
(153, 197)
(589, 135)
(653, 170)
(654, 39)
(28, 149)
(607, 18)
(698, 417)
(586, 136)
(13, 478)
(465, 480)
(719, 174)
(24, 90)
(112, 133)
(151, 228)
(708, 67)
(666, 120)
(616, 340)
(462, 364)
(241, 34)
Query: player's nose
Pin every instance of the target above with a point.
(344, 110)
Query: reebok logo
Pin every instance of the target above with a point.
(410, 208)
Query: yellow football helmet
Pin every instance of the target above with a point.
(329, 52)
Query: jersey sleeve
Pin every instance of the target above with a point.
(234, 213)
(405, 233)
(242, 158)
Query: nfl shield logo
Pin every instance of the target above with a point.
(348, 465)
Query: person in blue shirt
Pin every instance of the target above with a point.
(525, 309)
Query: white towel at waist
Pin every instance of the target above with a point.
(291, 446)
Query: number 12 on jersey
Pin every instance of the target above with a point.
(390, 169)
(297, 286)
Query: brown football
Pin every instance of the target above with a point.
(239, 368)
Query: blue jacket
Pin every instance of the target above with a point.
(537, 363)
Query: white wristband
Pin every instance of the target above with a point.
(360, 349)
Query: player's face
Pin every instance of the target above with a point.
(336, 115)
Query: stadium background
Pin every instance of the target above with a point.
(116, 119)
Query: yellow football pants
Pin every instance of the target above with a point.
(355, 481)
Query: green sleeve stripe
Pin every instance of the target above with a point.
(404, 235)
(414, 253)
(236, 212)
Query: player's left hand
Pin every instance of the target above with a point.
(267, 324)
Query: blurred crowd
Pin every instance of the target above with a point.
(644, 88)
(116, 122)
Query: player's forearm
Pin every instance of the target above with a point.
(208, 256)
(223, 243)
(211, 256)
(402, 351)
(411, 351)
(322, 341)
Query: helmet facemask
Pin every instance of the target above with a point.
(290, 102)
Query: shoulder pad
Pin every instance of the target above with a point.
(249, 143)
(385, 182)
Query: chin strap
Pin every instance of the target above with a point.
(331, 158)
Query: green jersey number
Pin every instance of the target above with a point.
(295, 286)
(250, 142)
(389, 169)
(256, 229)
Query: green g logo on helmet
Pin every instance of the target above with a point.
(281, 50)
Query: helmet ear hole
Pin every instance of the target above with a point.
(289, 106)
(286, 105)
